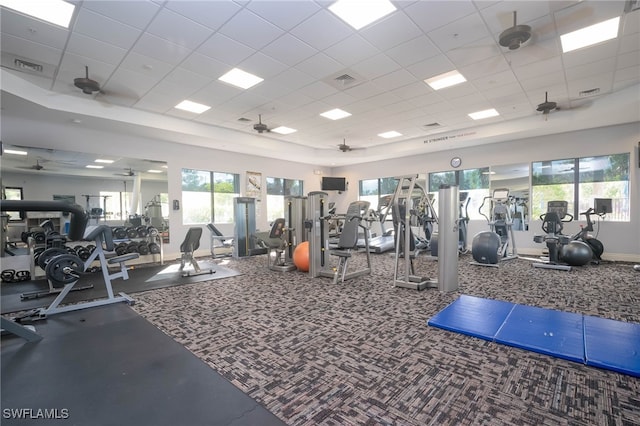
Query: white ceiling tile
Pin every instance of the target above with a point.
(250, 29)
(284, 14)
(376, 66)
(630, 43)
(102, 28)
(211, 14)
(604, 82)
(629, 60)
(548, 66)
(204, 66)
(502, 91)
(394, 80)
(33, 30)
(412, 90)
(322, 30)
(499, 16)
(319, 66)
(262, 65)
(85, 46)
(289, 50)
(429, 15)
(226, 50)
(187, 81)
(142, 64)
(36, 52)
(128, 83)
(491, 81)
(474, 52)
(412, 51)
(364, 91)
(431, 67)
(351, 50)
(543, 81)
(292, 79)
(216, 93)
(317, 90)
(177, 29)
(626, 77)
(138, 13)
(391, 31)
(533, 52)
(461, 32)
(586, 13)
(485, 67)
(163, 50)
(590, 69)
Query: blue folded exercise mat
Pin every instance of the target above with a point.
(594, 341)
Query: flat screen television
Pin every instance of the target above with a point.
(603, 205)
(334, 183)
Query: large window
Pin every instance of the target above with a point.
(475, 182)
(208, 196)
(372, 190)
(579, 181)
(13, 193)
(277, 189)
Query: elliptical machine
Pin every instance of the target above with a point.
(490, 247)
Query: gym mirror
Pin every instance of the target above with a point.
(106, 186)
(515, 177)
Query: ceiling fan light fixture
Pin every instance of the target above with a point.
(515, 36)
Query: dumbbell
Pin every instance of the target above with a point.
(121, 249)
(142, 231)
(154, 248)
(132, 247)
(119, 233)
(132, 232)
(143, 248)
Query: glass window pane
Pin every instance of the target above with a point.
(224, 183)
(551, 181)
(275, 186)
(223, 204)
(275, 207)
(196, 180)
(196, 207)
(441, 178)
(605, 177)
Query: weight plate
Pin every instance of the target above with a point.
(120, 233)
(48, 254)
(142, 231)
(132, 233)
(154, 248)
(143, 248)
(64, 269)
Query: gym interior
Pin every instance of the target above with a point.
(207, 269)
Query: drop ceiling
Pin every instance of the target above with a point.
(148, 56)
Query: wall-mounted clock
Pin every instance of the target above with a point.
(456, 162)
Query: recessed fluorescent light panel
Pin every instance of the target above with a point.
(590, 35)
(391, 134)
(101, 160)
(14, 152)
(240, 78)
(56, 12)
(358, 13)
(154, 171)
(93, 166)
(335, 114)
(192, 107)
(284, 130)
(447, 79)
(487, 113)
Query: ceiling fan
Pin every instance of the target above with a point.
(346, 148)
(515, 36)
(87, 85)
(129, 173)
(260, 127)
(547, 106)
(36, 166)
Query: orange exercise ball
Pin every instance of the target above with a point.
(301, 256)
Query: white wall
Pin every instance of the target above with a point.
(621, 239)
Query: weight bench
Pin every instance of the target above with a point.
(190, 244)
(64, 271)
(219, 241)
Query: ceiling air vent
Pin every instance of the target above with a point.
(27, 66)
(345, 79)
(434, 124)
(244, 119)
(590, 92)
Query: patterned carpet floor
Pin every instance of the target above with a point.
(360, 352)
